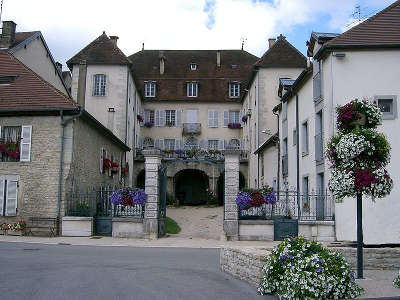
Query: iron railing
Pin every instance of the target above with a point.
(319, 146)
(96, 202)
(291, 204)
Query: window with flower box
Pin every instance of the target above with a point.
(15, 143)
(148, 118)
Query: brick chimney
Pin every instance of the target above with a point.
(114, 39)
(7, 36)
(218, 58)
(271, 42)
(162, 61)
(82, 83)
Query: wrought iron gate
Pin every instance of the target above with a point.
(103, 217)
(162, 194)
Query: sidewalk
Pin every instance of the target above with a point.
(377, 283)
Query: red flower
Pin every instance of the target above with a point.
(106, 163)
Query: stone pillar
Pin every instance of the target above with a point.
(231, 223)
(151, 218)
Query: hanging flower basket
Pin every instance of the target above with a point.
(140, 118)
(114, 167)
(358, 113)
(244, 119)
(234, 125)
(106, 163)
(148, 124)
(128, 197)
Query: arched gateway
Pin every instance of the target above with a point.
(187, 191)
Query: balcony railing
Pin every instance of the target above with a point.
(285, 164)
(319, 147)
(191, 128)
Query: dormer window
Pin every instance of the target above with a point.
(193, 66)
(149, 88)
(234, 89)
(192, 88)
(234, 67)
(99, 85)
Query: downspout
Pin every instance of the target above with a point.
(279, 156)
(258, 129)
(126, 115)
(298, 156)
(61, 167)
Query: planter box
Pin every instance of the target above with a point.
(77, 226)
(17, 233)
(128, 228)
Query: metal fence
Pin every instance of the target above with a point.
(305, 207)
(96, 202)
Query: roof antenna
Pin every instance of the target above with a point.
(142, 46)
(1, 10)
(243, 39)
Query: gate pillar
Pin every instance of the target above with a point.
(231, 223)
(151, 215)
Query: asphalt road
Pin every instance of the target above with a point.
(37, 271)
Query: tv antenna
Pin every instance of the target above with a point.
(243, 40)
(1, 10)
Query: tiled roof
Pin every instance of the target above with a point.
(380, 30)
(282, 54)
(101, 51)
(28, 90)
(213, 81)
(22, 36)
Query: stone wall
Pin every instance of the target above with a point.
(246, 263)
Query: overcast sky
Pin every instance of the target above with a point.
(70, 25)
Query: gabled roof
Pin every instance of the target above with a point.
(23, 36)
(101, 51)
(28, 90)
(381, 30)
(282, 54)
(319, 37)
(235, 65)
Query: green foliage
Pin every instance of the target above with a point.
(171, 226)
(302, 269)
(396, 281)
(171, 201)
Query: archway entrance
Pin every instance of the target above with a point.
(191, 186)
(140, 180)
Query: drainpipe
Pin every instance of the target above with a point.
(279, 156)
(298, 156)
(60, 171)
(126, 115)
(258, 129)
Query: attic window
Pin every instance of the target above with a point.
(7, 79)
(155, 67)
(193, 66)
(234, 67)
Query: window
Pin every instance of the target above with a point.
(212, 118)
(234, 90)
(149, 116)
(388, 106)
(262, 164)
(304, 138)
(8, 195)
(212, 144)
(14, 147)
(170, 117)
(319, 138)
(149, 88)
(169, 144)
(234, 116)
(285, 157)
(99, 85)
(234, 67)
(191, 116)
(193, 66)
(284, 111)
(306, 194)
(317, 82)
(192, 89)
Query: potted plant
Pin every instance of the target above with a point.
(106, 163)
(244, 118)
(140, 118)
(4, 227)
(234, 125)
(17, 228)
(128, 197)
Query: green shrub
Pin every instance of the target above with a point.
(171, 226)
(396, 281)
(300, 269)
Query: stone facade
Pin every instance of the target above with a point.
(246, 263)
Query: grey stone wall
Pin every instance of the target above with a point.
(246, 263)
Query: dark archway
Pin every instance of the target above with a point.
(190, 187)
(221, 185)
(141, 179)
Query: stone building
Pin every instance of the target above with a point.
(191, 107)
(49, 145)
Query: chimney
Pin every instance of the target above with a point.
(218, 58)
(59, 66)
(271, 42)
(114, 39)
(7, 36)
(162, 61)
(82, 83)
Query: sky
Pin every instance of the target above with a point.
(68, 26)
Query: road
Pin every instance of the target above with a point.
(38, 271)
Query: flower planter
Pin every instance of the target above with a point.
(16, 233)
(77, 226)
(360, 122)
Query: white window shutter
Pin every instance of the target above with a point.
(2, 187)
(241, 113)
(157, 143)
(179, 118)
(210, 118)
(25, 151)
(180, 144)
(221, 145)
(216, 118)
(157, 118)
(226, 117)
(11, 199)
(162, 118)
(176, 147)
(161, 144)
(203, 144)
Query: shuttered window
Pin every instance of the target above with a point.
(8, 196)
(16, 143)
